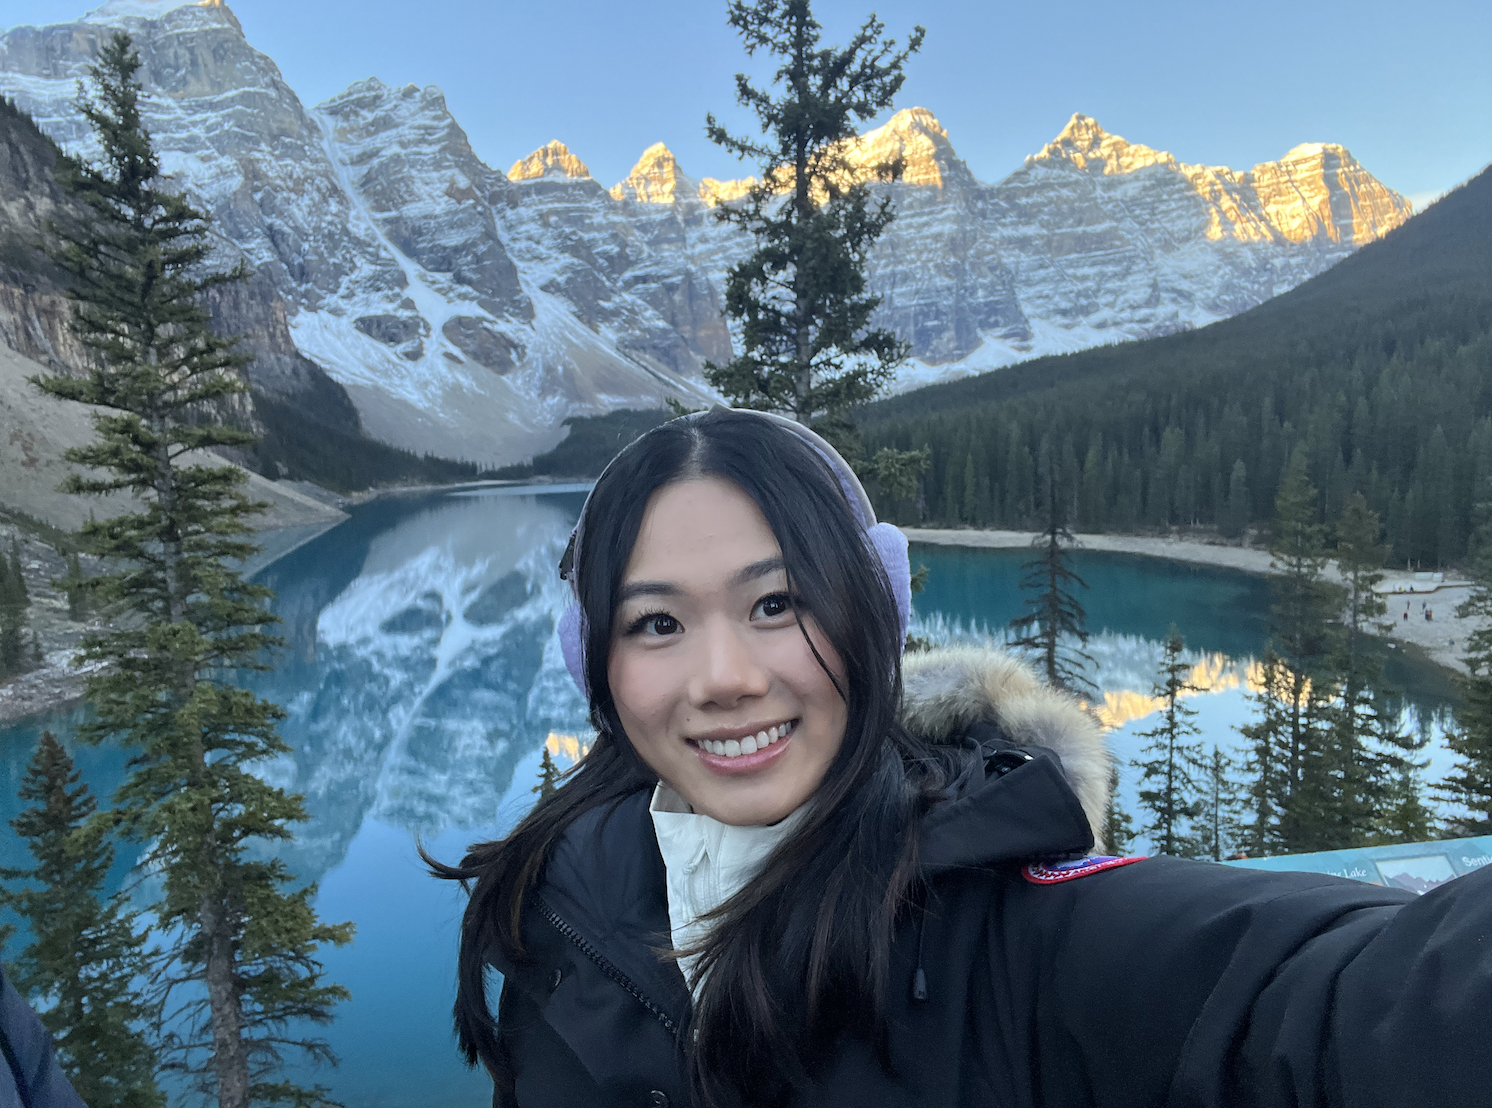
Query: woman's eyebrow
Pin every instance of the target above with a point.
(755, 570)
(646, 588)
(746, 574)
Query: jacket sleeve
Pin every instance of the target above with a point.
(1205, 986)
(31, 1075)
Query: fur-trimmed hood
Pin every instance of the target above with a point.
(950, 689)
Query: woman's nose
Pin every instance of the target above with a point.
(728, 668)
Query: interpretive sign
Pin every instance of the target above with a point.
(1418, 867)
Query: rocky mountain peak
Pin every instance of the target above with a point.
(1085, 145)
(914, 136)
(656, 179)
(552, 160)
(121, 12)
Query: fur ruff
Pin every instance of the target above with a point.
(948, 689)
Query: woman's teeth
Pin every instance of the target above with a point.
(734, 748)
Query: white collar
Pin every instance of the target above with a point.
(707, 862)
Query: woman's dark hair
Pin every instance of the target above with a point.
(785, 973)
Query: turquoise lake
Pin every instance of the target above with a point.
(422, 680)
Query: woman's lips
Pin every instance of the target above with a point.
(729, 766)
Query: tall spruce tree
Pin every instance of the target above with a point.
(1055, 626)
(1172, 769)
(1219, 827)
(1118, 828)
(808, 349)
(1376, 778)
(242, 939)
(549, 776)
(85, 965)
(1295, 762)
(1268, 764)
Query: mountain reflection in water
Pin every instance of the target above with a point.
(416, 687)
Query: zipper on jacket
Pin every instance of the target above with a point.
(606, 967)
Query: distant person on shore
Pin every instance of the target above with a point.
(796, 868)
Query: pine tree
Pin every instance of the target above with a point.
(1302, 782)
(239, 936)
(1173, 767)
(1233, 514)
(1366, 745)
(1269, 764)
(1118, 829)
(85, 962)
(1219, 827)
(1055, 617)
(800, 300)
(549, 776)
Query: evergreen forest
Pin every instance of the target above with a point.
(1380, 369)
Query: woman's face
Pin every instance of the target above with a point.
(711, 675)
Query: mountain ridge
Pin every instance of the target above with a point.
(468, 311)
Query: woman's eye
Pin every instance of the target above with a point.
(656, 624)
(774, 606)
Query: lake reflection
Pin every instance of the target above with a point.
(416, 685)
(422, 677)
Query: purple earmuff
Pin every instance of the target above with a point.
(884, 539)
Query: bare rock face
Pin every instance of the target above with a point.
(468, 312)
(656, 179)
(371, 200)
(553, 160)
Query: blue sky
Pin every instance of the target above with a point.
(1406, 87)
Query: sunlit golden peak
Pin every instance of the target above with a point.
(552, 160)
(656, 179)
(914, 137)
(1085, 144)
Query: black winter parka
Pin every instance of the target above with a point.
(1162, 982)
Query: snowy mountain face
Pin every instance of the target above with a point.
(468, 312)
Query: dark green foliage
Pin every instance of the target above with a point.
(1297, 789)
(297, 446)
(13, 603)
(1380, 369)
(1174, 768)
(800, 300)
(85, 962)
(1055, 616)
(590, 445)
(1118, 829)
(1269, 764)
(1331, 768)
(1219, 826)
(238, 935)
(1233, 513)
(72, 585)
(1470, 784)
(1380, 795)
(549, 776)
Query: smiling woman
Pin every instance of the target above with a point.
(783, 876)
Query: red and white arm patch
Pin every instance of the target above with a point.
(1055, 874)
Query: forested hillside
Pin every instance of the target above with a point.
(1380, 370)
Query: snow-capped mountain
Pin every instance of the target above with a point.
(467, 312)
